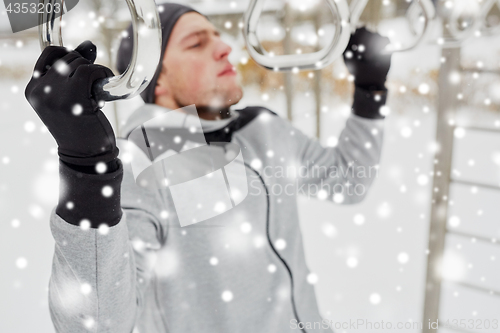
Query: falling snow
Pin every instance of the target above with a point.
(386, 203)
(107, 191)
(227, 296)
(21, 263)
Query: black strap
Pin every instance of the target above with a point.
(165, 139)
(225, 134)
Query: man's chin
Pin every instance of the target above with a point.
(236, 96)
(227, 98)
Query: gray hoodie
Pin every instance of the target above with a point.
(241, 270)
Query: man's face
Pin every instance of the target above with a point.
(196, 69)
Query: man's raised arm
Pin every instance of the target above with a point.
(345, 172)
(96, 271)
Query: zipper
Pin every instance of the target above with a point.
(160, 309)
(272, 246)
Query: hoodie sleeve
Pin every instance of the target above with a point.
(100, 275)
(345, 172)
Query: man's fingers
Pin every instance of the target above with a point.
(74, 65)
(370, 44)
(48, 57)
(68, 64)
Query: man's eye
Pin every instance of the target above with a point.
(195, 45)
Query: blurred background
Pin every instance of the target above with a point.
(435, 203)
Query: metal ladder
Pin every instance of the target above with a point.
(442, 179)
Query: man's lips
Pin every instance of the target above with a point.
(228, 70)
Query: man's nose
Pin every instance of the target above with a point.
(221, 50)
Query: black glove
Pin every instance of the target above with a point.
(365, 61)
(60, 92)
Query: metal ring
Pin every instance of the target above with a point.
(358, 6)
(145, 55)
(484, 14)
(315, 60)
(456, 33)
(479, 19)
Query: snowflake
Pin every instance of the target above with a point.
(220, 207)
(384, 210)
(329, 230)
(21, 263)
(246, 227)
(256, 163)
(322, 194)
(77, 110)
(15, 223)
(36, 211)
(423, 179)
(359, 219)
(312, 278)
(85, 224)
(352, 262)
(61, 67)
(338, 198)
(103, 229)
(258, 241)
(101, 167)
(227, 296)
(85, 288)
(459, 132)
(332, 141)
(89, 322)
(423, 88)
(29, 126)
(454, 221)
(403, 258)
(280, 244)
(384, 110)
(406, 132)
(107, 191)
(375, 298)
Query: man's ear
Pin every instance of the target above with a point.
(160, 90)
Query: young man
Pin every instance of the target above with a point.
(122, 261)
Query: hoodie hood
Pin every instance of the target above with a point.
(169, 149)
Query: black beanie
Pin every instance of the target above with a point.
(169, 14)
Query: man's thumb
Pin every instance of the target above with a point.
(88, 50)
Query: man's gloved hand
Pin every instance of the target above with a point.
(365, 61)
(60, 92)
